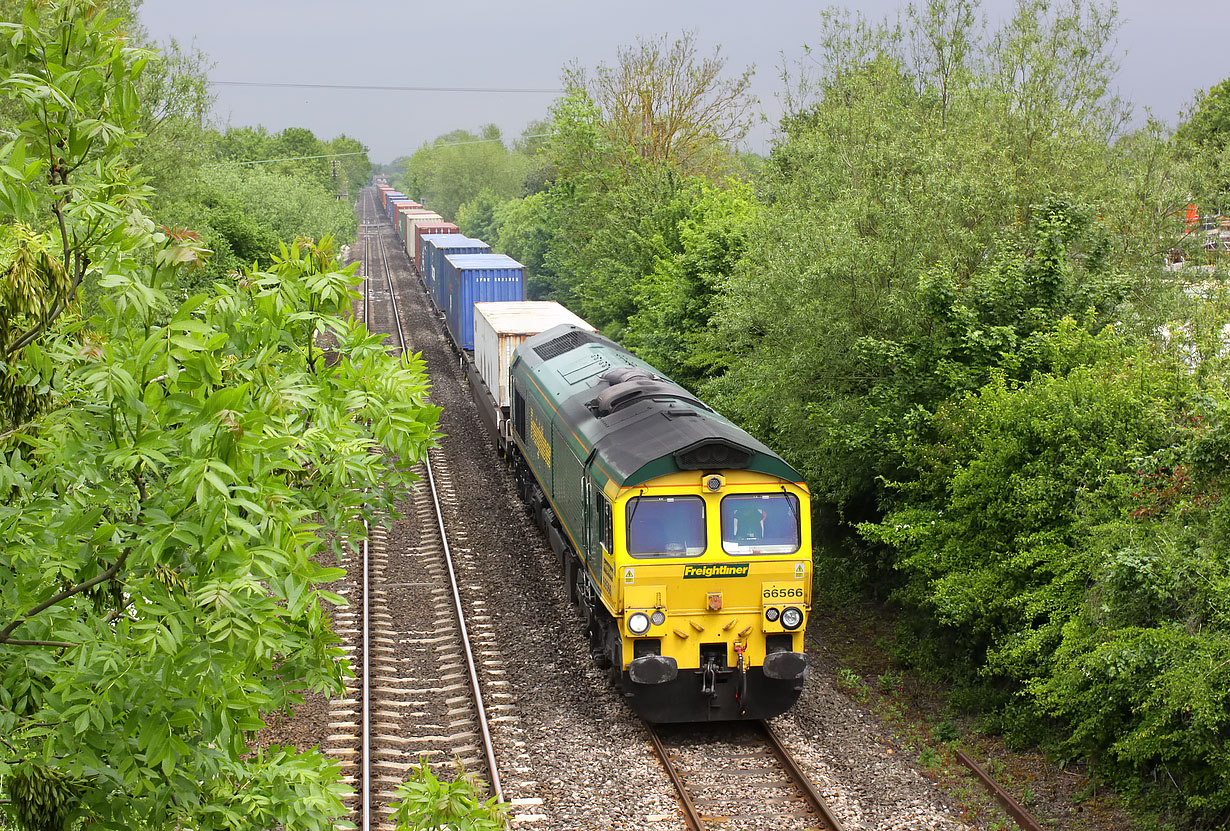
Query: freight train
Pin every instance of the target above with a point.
(684, 542)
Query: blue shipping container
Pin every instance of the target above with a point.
(477, 278)
(390, 198)
(438, 246)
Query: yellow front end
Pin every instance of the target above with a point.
(725, 597)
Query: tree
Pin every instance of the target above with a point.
(355, 168)
(242, 211)
(1208, 121)
(82, 181)
(906, 187)
(667, 103)
(701, 244)
(477, 217)
(458, 166)
(952, 331)
(301, 150)
(525, 233)
(168, 499)
(244, 144)
(175, 100)
(1204, 140)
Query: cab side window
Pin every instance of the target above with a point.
(519, 413)
(607, 533)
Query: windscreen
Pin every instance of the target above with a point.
(760, 523)
(666, 526)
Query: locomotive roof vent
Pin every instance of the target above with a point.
(618, 396)
(565, 343)
(713, 454)
(625, 373)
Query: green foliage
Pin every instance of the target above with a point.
(174, 97)
(943, 305)
(169, 493)
(1065, 541)
(1140, 674)
(425, 803)
(708, 231)
(65, 182)
(1204, 141)
(993, 521)
(525, 232)
(923, 229)
(667, 104)
(242, 212)
(1208, 123)
(618, 233)
(460, 166)
(354, 171)
(175, 494)
(477, 217)
(620, 224)
(300, 144)
(953, 334)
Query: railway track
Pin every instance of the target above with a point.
(737, 776)
(416, 695)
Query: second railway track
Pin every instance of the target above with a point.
(416, 696)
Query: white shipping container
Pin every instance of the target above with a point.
(411, 219)
(499, 328)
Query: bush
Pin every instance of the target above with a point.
(1063, 544)
(426, 803)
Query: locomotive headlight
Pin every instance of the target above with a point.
(791, 617)
(638, 623)
(771, 614)
(658, 617)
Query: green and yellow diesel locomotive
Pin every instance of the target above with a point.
(685, 542)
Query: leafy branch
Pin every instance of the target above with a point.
(86, 585)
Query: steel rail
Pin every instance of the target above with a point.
(366, 790)
(480, 708)
(801, 779)
(1015, 809)
(691, 815)
(367, 711)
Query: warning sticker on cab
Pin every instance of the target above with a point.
(779, 592)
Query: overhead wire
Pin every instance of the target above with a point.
(376, 88)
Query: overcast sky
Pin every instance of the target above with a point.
(1168, 51)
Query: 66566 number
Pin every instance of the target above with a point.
(783, 593)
